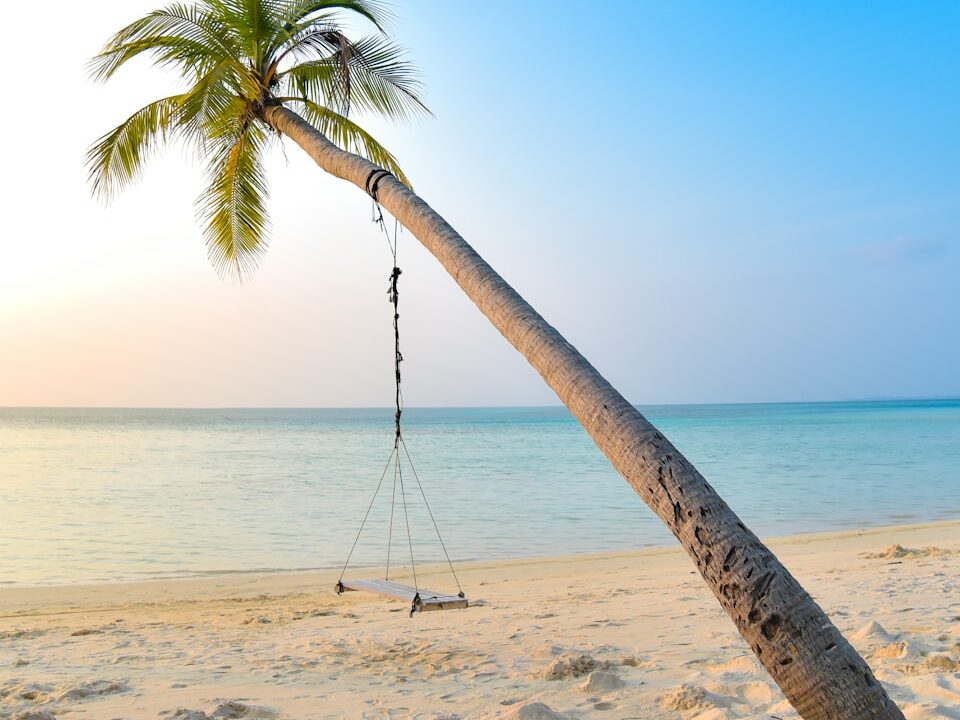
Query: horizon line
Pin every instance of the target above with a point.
(877, 399)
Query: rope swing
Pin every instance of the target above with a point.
(420, 599)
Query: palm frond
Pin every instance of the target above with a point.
(376, 12)
(182, 35)
(287, 34)
(209, 112)
(233, 207)
(314, 39)
(372, 75)
(302, 26)
(346, 134)
(170, 50)
(251, 22)
(214, 111)
(116, 159)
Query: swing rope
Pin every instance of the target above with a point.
(432, 519)
(393, 502)
(365, 516)
(393, 295)
(413, 566)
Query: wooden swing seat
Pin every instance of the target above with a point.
(422, 601)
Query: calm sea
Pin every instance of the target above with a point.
(102, 495)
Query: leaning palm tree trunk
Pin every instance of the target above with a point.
(818, 670)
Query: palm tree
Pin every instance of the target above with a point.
(261, 69)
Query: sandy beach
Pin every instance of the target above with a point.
(616, 635)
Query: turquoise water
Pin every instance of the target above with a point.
(102, 495)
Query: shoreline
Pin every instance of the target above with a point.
(174, 576)
(230, 582)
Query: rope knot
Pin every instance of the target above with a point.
(373, 181)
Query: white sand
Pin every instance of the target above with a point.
(623, 635)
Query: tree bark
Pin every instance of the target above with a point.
(819, 672)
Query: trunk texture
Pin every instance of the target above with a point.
(819, 672)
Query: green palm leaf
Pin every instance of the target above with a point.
(233, 207)
(214, 110)
(376, 12)
(117, 158)
(184, 36)
(371, 74)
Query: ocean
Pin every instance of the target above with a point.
(102, 495)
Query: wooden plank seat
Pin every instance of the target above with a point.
(422, 601)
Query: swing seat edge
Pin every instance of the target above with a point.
(429, 600)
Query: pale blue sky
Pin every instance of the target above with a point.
(714, 202)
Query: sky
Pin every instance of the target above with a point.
(715, 202)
